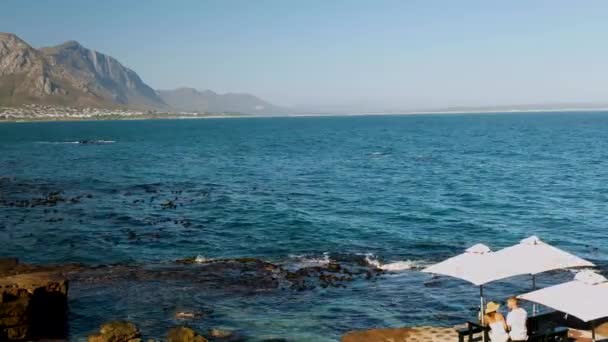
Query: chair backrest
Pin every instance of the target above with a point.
(542, 322)
(553, 319)
(478, 327)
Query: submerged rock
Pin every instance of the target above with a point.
(188, 315)
(221, 335)
(184, 334)
(33, 301)
(12, 266)
(117, 331)
(257, 273)
(33, 306)
(8, 264)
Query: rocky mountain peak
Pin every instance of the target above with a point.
(11, 38)
(16, 56)
(70, 44)
(68, 74)
(101, 73)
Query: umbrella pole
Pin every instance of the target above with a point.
(534, 308)
(481, 318)
(593, 331)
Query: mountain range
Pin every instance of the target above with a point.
(192, 100)
(72, 75)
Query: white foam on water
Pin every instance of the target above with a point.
(92, 142)
(201, 259)
(396, 266)
(399, 266)
(302, 261)
(57, 142)
(378, 153)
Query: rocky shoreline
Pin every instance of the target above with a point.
(122, 331)
(34, 303)
(34, 298)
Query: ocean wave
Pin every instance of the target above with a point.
(296, 262)
(57, 142)
(378, 153)
(82, 142)
(395, 266)
(302, 261)
(201, 259)
(97, 141)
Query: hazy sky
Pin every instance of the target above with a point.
(381, 54)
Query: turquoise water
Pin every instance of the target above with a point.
(400, 191)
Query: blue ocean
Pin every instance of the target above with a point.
(394, 193)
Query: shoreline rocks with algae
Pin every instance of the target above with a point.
(34, 298)
(33, 305)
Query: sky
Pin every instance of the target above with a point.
(376, 54)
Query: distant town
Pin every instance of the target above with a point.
(35, 112)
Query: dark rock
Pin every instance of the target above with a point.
(132, 235)
(118, 331)
(168, 205)
(220, 334)
(252, 271)
(33, 306)
(331, 275)
(188, 315)
(7, 264)
(12, 266)
(184, 334)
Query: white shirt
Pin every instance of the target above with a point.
(498, 333)
(516, 320)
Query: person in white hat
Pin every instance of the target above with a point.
(496, 321)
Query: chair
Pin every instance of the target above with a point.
(472, 332)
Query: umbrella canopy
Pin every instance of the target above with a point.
(479, 265)
(532, 256)
(586, 297)
(476, 265)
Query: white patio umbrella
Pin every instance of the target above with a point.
(586, 297)
(532, 256)
(476, 265)
(479, 265)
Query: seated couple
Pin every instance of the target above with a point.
(511, 329)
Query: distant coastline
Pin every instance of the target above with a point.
(467, 111)
(42, 113)
(96, 114)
